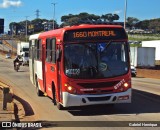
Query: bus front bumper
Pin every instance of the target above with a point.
(83, 100)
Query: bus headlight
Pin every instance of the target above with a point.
(126, 85)
(70, 89)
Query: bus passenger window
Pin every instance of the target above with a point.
(53, 50)
(48, 51)
(39, 49)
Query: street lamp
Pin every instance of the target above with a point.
(12, 39)
(125, 12)
(54, 4)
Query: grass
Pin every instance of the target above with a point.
(143, 37)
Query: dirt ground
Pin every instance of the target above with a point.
(148, 73)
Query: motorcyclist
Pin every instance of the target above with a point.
(17, 59)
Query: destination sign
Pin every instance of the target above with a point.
(94, 34)
(80, 35)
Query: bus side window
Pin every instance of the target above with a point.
(48, 50)
(39, 49)
(36, 46)
(53, 50)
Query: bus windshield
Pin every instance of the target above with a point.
(96, 60)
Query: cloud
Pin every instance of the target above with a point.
(117, 11)
(9, 3)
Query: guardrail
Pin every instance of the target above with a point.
(7, 95)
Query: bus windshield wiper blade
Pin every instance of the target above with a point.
(108, 44)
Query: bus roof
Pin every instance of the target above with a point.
(59, 32)
(34, 36)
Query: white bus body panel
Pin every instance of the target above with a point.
(76, 100)
(32, 62)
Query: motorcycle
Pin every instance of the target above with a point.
(17, 66)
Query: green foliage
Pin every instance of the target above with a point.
(84, 17)
(110, 17)
(144, 37)
(132, 21)
(87, 18)
(34, 26)
(153, 24)
(135, 45)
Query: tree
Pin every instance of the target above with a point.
(78, 19)
(154, 25)
(110, 17)
(65, 18)
(93, 17)
(74, 21)
(87, 18)
(142, 24)
(107, 17)
(131, 21)
(115, 17)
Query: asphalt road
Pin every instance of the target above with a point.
(145, 104)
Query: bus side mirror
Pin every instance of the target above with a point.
(58, 55)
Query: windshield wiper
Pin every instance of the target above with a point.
(108, 44)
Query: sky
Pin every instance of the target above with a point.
(19, 10)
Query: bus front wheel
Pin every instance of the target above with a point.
(59, 106)
(55, 101)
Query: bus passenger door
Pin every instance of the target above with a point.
(31, 62)
(44, 67)
(59, 78)
(50, 67)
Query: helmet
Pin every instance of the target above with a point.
(19, 56)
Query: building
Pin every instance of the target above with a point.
(1, 26)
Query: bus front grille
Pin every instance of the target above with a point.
(105, 98)
(98, 85)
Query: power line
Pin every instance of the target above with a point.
(37, 13)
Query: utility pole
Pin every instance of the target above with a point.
(26, 28)
(12, 39)
(54, 4)
(125, 13)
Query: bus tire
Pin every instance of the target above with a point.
(39, 92)
(59, 106)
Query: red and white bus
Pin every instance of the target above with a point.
(82, 65)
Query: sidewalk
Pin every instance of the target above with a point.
(8, 114)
